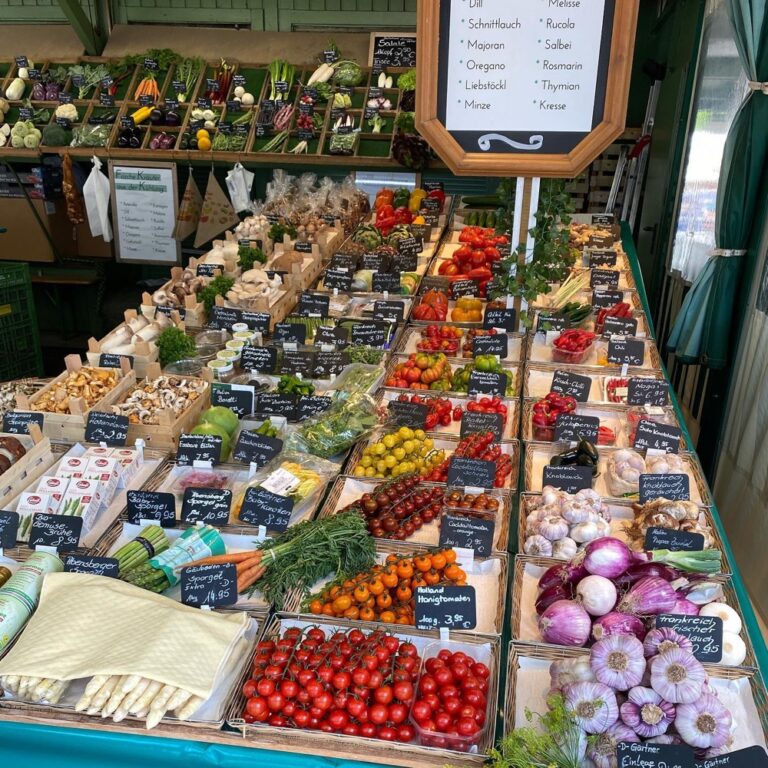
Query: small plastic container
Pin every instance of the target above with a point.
(479, 653)
(212, 339)
(571, 358)
(190, 367)
(206, 352)
(235, 345)
(223, 370)
(543, 434)
(247, 337)
(228, 355)
(239, 328)
(639, 413)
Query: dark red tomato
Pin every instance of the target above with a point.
(314, 688)
(340, 699)
(350, 729)
(382, 654)
(401, 675)
(266, 645)
(249, 688)
(474, 697)
(303, 697)
(375, 679)
(387, 733)
(469, 682)
(403, 691)
(467, 727)
(341, 681)
(301, 718)
(256, 707)
(368, 730)
(397, 713)
(355, 637)
(316, 634)
(323, 702)
(421, 711)
(338, 718)
(448, 692)
(432, 700)
(452, 705)
(443, 676)
(408, 663)
(265, 687)
(391, 643)
(443, 722)
(325, 674)
(369, 661)
(481, 671)
(337, 662)
(289, 689)
(276, 701)
(406, 733)
(427, 684)
(408, 649)
(304, 676)
(326, 727)
(383, 695)
(377, 714)
(467, 711)
(289, 708)
(278, 721)
(445, 656)
(360, 676)
(480, 717)
(459, 657)
(248, 718)
(429, 725)
(432, 665)
(273, 672)
(460, 671)
(280, 657)
(357, 708)
(292, 633)
(301, 655)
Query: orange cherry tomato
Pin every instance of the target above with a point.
(422, 562)
(387, 616)
(405, 569)
(384, 600)
(438, 561)
(376, 587)
(404, 592)
(361, 593)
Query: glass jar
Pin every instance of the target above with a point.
(223, 370)
(206, 353)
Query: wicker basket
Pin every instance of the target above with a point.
(357, 748)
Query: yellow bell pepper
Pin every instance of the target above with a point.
(414, 202)
(141, 114)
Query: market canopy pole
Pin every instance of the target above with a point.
(514, 88)
(702, 331)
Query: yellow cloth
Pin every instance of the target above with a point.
(88, 625)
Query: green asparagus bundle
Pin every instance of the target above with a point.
(150, 542)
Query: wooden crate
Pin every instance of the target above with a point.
(194, 310)
(165, 436)
(33, 465)
(301, 276)
(71, 426)
(278, 310)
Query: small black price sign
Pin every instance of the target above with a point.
(386, 282)
(194, 448)
(151, 64)
(97, 566)
(374, 261)
(330, 56)
(299, 363)
(466, 287)
(405, 261)
(9, 529)
(338, 337)
(646, 391)
(234, 106)
(487, 383)
(126, 122)
(146, 101)
(632, 755)
(109, 428)
(237, 397)
(26, 113)
(431, 204)
(327, 364)
(314, 304)
(704, 632)
(224, 317)
(342, 261)
(309, 406)
(108, 360)
(207, 270)
(474, 421)
(281, 86)
(466, 532)
(571, 384)
(751, 757)
(337, 279)
(203, 103)
(238, 80)
(570, 427)
(568, 479)
(62, 532)
(64, 122)
(179, 86)
(106, 100)
(496, 344)
(34, 73)
(675, 541)
(302, 246)
(65, 98)
(672, 487)
(369, 334)
(256, 321)
(151, 505)
(606, 299)
(209, 585)
(290, 333)
(500, 318)
(389, 311)
(546, 323)
(262, 507)
(602, 241)
(17, 422)
(22, 62)
(171, 103)
(253, 448)
(410, 245)
(450, 607)
(619, 326)
(206, 505)
(473, 473)
(413, 415)
(659, 437)
(259, 359)
(275, 404)
(604, 277)
(626, 351)
(211, 84)
(603, 219)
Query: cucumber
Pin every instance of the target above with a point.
(471, 220)
(482, 201)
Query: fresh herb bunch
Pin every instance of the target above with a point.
(278, 231)
(406, 122)
(250, 256)
(173, 344)
(164, 57)
(219, 286)
(552, 259)
(555, 742)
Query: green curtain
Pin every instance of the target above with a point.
(703, 329)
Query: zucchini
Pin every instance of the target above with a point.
(482, 201)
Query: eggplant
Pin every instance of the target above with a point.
(567, 459)
(172, 118)
(588, 449)
(135, 140)
(193, 142)
(123, 138)
(184, 141)
(156, 116)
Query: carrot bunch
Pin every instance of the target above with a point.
(248, 565)
(147, 87)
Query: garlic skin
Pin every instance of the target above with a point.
(585, 532)
(704, 723)
(646, 712)
(602, 752)
(593, 705)
(618, 661)
(677, 676)
(665, 639)
(565, 549)
(553, 528)
(538, 546)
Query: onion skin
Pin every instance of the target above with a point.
(562, 574)
(552, 595)
(649, 597)
(615, 623)
(565, 623)
(607, 557)
(685, 607)
(639, 571)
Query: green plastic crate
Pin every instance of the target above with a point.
(19, 337)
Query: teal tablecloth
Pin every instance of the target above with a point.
(38, 746)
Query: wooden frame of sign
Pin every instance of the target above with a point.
(517, 161)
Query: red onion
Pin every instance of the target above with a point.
(618, 624)
(564, 573)
(552, 595)
(684, 607)
(639, 571)
(649, 597)
(607, 557)
(565, 623)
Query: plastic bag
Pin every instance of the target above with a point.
(336, 430)
(239, 183)
(96, 198)
(297, 476)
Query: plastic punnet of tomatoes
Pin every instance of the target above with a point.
(482, 446)
(572, 346)
(450, 709)
(445, 339)
(344, 682)
(474, 502)
(423, 371)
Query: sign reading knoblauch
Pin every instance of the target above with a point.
(523, 88)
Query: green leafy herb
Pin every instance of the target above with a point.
(173, 344)
(250, 256)
(407, 81)
(92, 75)
(277, 232)
(219, 286)
(406, 122)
